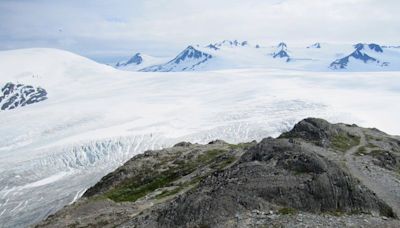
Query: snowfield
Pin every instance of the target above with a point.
(97, 117)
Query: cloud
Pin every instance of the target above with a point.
(101, 27)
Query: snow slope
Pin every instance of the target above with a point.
(316, 57)
(96, 117)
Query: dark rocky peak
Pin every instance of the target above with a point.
(191, 53)
(359, 46)
(136, 59)
(371, 46)
(324, 134)
(282, 46)
(375, 47)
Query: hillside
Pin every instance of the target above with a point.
(317, 174)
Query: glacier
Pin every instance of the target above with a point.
(96, 117)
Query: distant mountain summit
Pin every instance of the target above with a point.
(139, 61)
(135, 60)
(316, 45)
(362, 53)
(282, 52)
(188, 60)
(229, 43)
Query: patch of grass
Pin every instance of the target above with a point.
(287, 211)
(167, 193)
(134, 191)
(141, 185)
(378, 152)
(209, 155)
(220, 165)
(361, 151)
(344, 142)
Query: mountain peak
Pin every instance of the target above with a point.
(230, 43)
(190, 53)
(371, 46)
(359, 54)
(281, 52)
(282, 46)
(189, 59)
(134, 60)
(316, 45)
(375, 47)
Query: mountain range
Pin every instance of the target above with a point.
(242, 54)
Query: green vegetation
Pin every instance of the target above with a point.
(167, 193)
(343, 142)
(371, 145)
(209, 155)
(287, 211)
(223, 163)
(378, 152)
(148, 181)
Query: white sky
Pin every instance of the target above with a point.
(105, 28)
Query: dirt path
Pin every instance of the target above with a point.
(376, 185)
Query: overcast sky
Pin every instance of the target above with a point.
(109, 28)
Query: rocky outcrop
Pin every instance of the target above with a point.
(225, 185)
(18, 95)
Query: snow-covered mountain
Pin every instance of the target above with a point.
(230, 54)
(189, 59)
(368, 54)
(281, 52)
(96, 117)
(139, 61)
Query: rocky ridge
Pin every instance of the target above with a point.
(317, 174)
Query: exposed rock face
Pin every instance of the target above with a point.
(273, 173)
(224, 185)
(18, 95)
